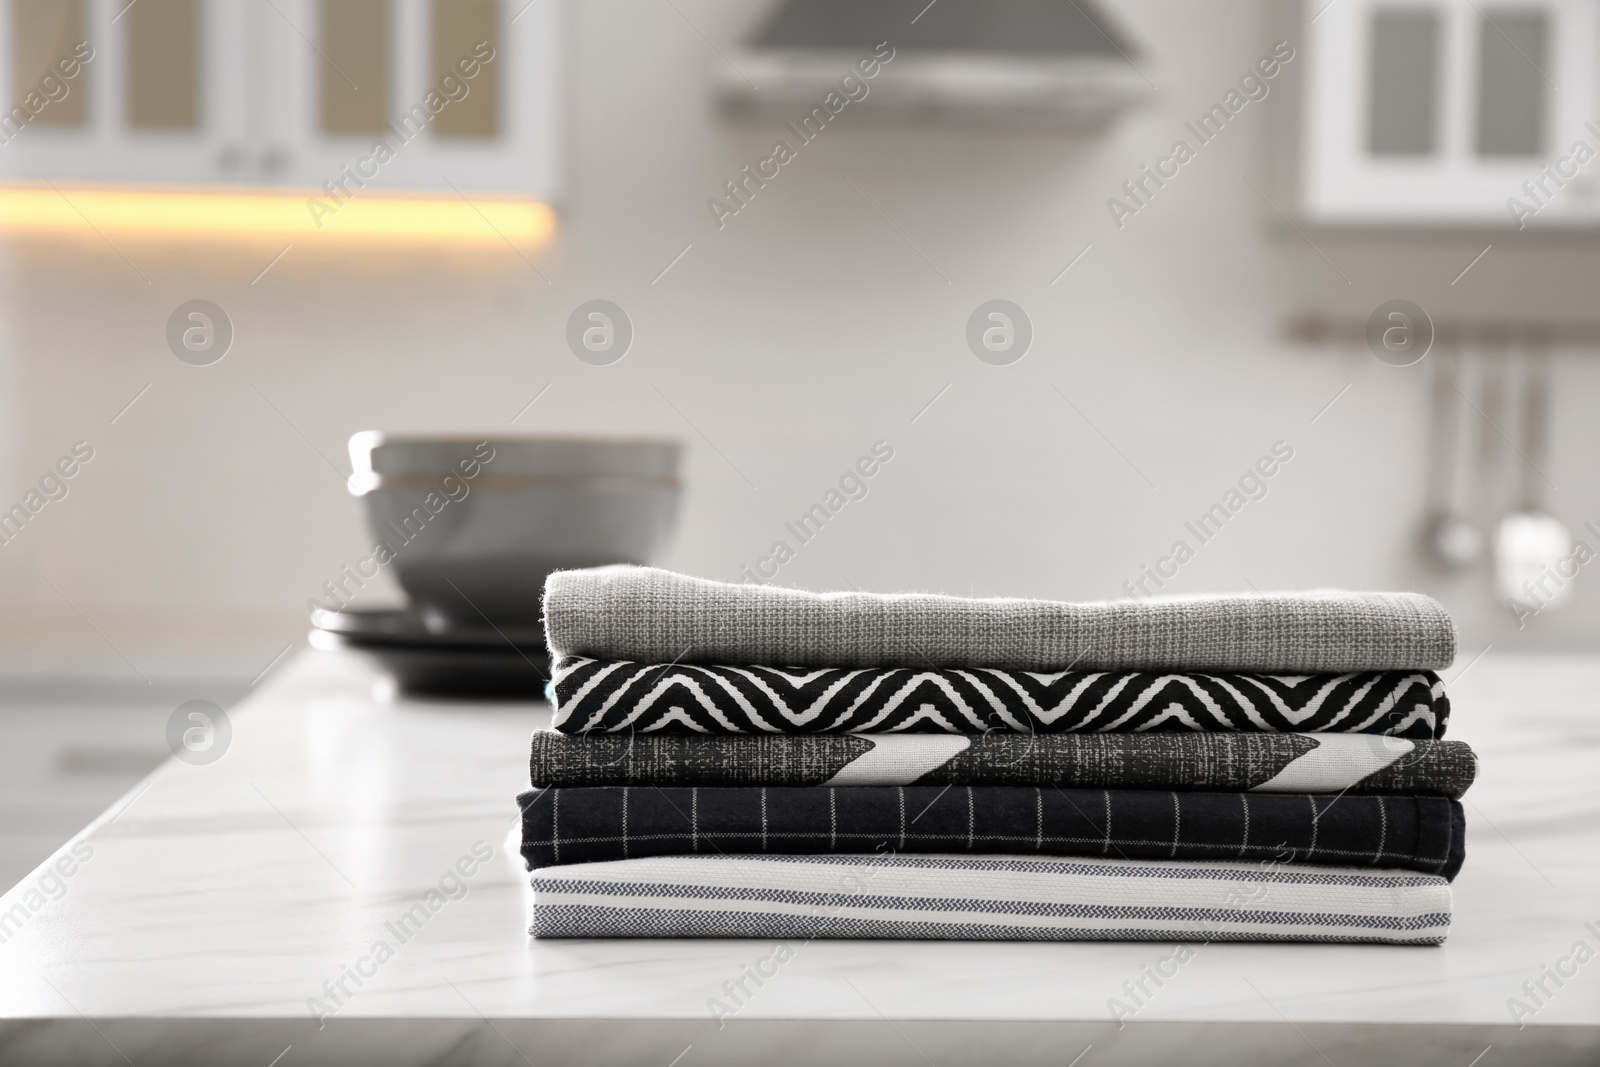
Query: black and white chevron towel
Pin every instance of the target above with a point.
(988, 898)
(589, 825)
(1215, 762)
(602, 696)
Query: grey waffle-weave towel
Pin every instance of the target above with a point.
(655, 616)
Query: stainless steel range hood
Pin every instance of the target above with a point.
(1059, 61)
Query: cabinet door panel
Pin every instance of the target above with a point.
(462, 32)
(162, 87)
(44, 40)
(469, 90)
(159, 95)
(357, 41)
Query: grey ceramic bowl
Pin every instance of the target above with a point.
(475, 524)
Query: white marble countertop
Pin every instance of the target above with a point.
(215, 902)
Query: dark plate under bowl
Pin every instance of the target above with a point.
(404, 628)
(478, 662)
(472, 673)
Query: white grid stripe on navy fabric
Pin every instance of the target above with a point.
(1038, 808)
(971, 819)
(901, 793)
(1316, 820)
(1383, 832)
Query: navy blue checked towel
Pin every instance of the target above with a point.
(585, 825)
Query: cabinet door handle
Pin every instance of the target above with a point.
(274, 161)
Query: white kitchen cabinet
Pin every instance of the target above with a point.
(185, 120)
(292, 93)
(495, 131)
(1444, 112)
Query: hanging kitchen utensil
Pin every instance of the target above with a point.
(1492, 443)
(1453, 539)
(1533, 549)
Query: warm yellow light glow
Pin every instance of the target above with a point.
(278, 214)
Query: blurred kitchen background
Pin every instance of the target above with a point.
(1175, 340)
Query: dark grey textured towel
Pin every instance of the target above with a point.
(1214, 762)
(656, 616)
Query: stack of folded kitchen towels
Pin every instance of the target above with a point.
(749, 761)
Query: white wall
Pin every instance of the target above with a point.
(793, 339)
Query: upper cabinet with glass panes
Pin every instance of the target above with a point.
(1451, 112)
(398, 95)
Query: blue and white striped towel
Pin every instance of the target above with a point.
(998, 898)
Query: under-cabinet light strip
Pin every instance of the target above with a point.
(58, 209)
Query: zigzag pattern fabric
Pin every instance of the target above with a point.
(611, 696)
